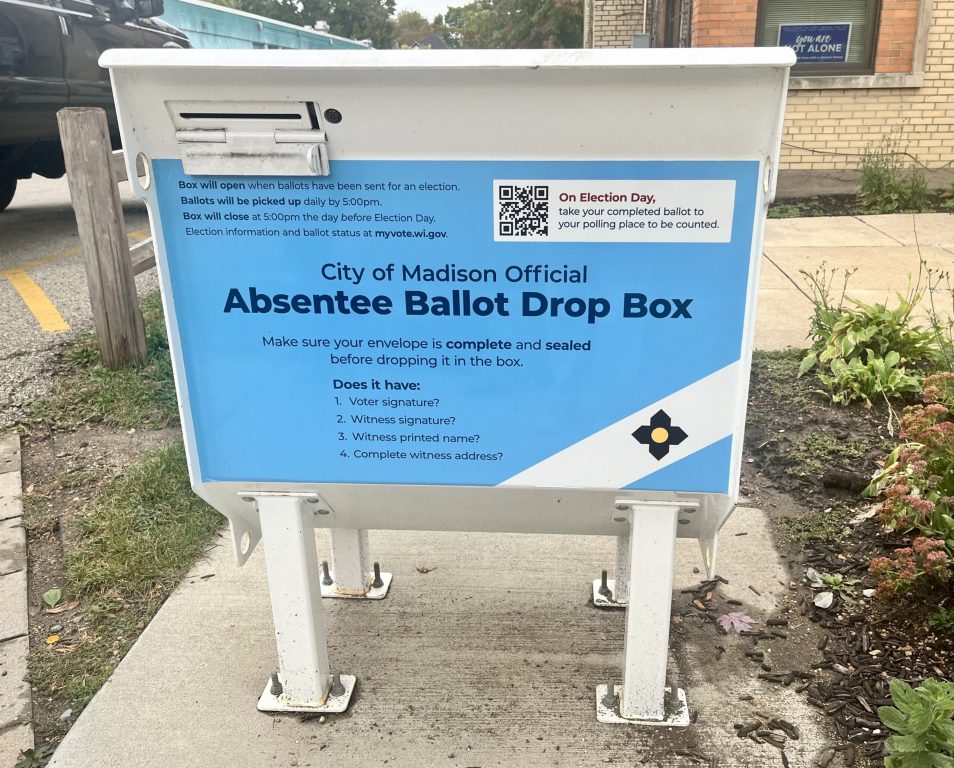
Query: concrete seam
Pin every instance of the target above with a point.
(787, 276)
(880, 232)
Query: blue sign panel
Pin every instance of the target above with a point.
(816, 43)
(527, 323)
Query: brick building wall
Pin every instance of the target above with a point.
(899, 21)
(829, 128)
(614, 22)
(723, 22)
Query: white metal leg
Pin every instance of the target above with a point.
(643, 696)
(305, 679)
(350, 562)
(352, 573)
(621, 585)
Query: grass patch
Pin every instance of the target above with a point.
(39, 515)
(786, 211)
(86, 391)
(773, 374)
(814, 452)
(776, 369)
(829, 526)
(139, 537)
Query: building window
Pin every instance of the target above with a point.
(830, 37)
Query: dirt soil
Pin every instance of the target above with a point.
(939, 201)
(62, 472)
(806, 462)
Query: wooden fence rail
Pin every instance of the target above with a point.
(93, 171)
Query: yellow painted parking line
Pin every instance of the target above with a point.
(33, 295)
(37, 301)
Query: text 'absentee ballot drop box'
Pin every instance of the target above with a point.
(473, 290)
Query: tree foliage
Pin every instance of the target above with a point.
(357, 19)
(410, 27)
(479, 24)
(517, 24)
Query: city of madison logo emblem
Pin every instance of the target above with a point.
(659, 434)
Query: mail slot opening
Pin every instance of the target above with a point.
(240, 115)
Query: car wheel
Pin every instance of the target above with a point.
(8, 186)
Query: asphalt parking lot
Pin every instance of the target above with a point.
(43, 292)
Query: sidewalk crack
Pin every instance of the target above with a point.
(787, 276)
(880, 231)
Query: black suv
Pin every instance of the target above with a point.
(49, 51)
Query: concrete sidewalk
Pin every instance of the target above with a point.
(490, 659)
(886, 251)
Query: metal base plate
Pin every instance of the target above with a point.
(333, 704)
(375, 593)
(677, 709)
(601, 601)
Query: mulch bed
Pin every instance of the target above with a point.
(870, 641)
(940, 201)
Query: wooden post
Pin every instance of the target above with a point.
(102, 231)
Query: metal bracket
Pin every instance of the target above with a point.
(352, 575)
(234, 152)
(316, 504)
(373, 593)
(602, 599)
(608, 710)
(337, 700)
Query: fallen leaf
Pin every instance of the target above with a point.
(64, 607)
(30, 488)
(737, 620)
(424, 569)
(676, 619)
(52, 639)
(699, 605)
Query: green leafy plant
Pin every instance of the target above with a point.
(863, 379)
(921, 718)
(886, 185)
(827, 586)
(52, 596)
(35, 758)
(864, 350)
(943, 621)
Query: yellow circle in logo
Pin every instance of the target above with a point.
(660, 435)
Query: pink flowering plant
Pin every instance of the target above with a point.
(917, 483)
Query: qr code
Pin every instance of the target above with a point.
(523, 211)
